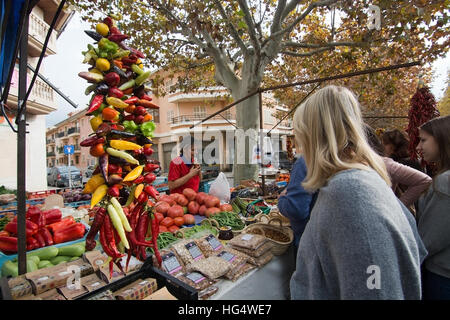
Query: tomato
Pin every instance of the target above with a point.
(173, 229)
(211, 211)
(167, 222)
(162, 207)
(182, 200)
(163, 229)
(159, 217)
(179, 221)
(226, 207)
(189, 193)
(200, 198)
(175, 211)
(193, 207)
(167, 199)
(202, 210)
(189, 219)
(212, 201)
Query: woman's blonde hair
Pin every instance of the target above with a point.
(329, 127)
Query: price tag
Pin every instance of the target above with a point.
(194, 250)
(170, 263)
(195, 277)
(227, 256)
(214, 242)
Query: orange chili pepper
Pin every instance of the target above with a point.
(118, 63)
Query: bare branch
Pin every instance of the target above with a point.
(276, 24)
(305, 54)
(251, 26)
(230, 25)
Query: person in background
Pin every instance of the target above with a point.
(415, 182)
(183, 171)
(396, 145)
(433, 215)
(295, 203)
(360, 242)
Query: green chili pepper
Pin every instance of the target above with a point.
(147, 128)
(130, 126)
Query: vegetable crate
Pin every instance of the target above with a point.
(175, 286)
(4, 257)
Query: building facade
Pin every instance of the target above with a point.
(41, 102)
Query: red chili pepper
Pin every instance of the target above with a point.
(132, 100)
(110, 239)
(151, 191)
(95, 228)
(95, 103)
(150, 167)
(115, 92)
(143, 197)
(8, 244)
(71, 232)
(104, 243)
(149, 178)
(92, 141)
(146, 97)
(155, 231)
(139, 180)
(129, 60)
(147, 104)
(47, 236)
(118, 38)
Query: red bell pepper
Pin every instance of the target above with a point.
(112, 79)
(8, 244)
(69, 233)
(55, 227)
(30, 227)
(115, 92)
(132, 100)
(32, 243)
(95, 103)
(52, 216)
(40, 239)
(47, 236)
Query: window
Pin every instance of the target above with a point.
(170, 115)
(77, 159)
(268, 118)
(199, 112)
(155, 114)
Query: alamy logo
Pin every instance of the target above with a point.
(374, 280)
(74, 282)
(374, 17)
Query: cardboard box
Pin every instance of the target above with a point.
(92, 282)
(85, 267)
(95, 258)
(137, 290)
(104, 274)
(20, 287)
(52, 294)
(71, 292)
(48, 278)
(161, 294)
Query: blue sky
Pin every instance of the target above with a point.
(62, 70)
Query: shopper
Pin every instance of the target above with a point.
(433, 215)
(396, 147)
(183, 171)
(414, 181)
(360, 241)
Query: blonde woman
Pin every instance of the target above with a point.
(360, 241)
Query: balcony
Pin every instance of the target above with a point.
(77, 148)
(74, 131)
(60, 134)
(191, 119)
(60, 150)
(215, 93)
(37, 30)
(51, 154)
(50, 141)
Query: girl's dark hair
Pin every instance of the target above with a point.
(373, 140)
(400, 142)
(439, 128)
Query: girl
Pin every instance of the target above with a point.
(433, 215)
(360, 241)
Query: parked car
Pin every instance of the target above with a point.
(49, 170)
(89, 171)
(59, 176)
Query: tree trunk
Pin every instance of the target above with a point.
(247, 119)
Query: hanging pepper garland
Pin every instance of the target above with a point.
(123, 129)
(423, 109)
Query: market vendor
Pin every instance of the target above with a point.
(183, 171)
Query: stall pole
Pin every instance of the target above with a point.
(261, 148)
(21, 148)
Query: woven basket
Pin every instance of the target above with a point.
(285, 222)
(279, 247)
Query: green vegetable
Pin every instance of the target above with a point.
(10, 268)
(142, 77)
(107, 48)
(74, 258)
(136, 69)
(44, 264)
(230, 219)
(31, 266)
(130, 126)
(74, 250)
(127, 85)
(147, 128)
(121, 54)
(46, 253)
(60, 259)
(35, 259)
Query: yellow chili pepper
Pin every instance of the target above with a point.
(93, 183)
(116, 102)
(133, 174)
(98, 194)
(138, 190)
(124, 145)
(117, 223)
(96, 122)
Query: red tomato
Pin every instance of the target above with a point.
(189, 193)
(179, 221)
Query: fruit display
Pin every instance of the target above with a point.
(43, 228)
(283, 177)
(121, 185)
